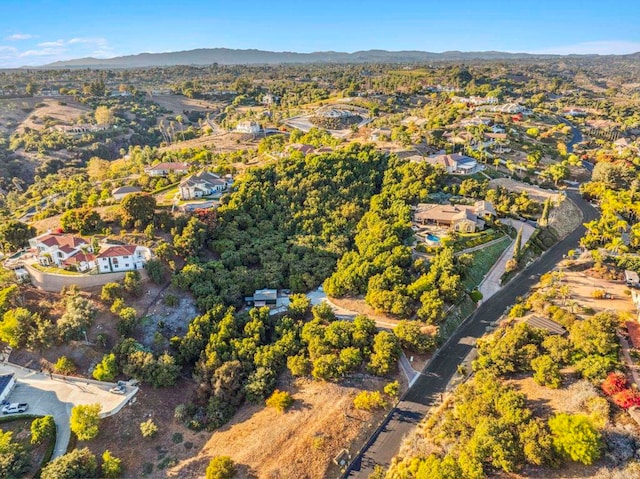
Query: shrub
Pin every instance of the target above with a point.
(221, 467)
(299, 365)
(111, 466)
(280, 400)
(79, 463)
(392, 389)
(107, 369)
(64, 365)
(615, 383)
(42, 428)
(626, 398)
(85, 420)
(369, 400)
(575, 437)
(111, 292)
(546, 372)
(598, 294)
(149, 429)
(177, 438)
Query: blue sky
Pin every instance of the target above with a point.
(41, 31)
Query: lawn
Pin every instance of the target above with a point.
(483, 260)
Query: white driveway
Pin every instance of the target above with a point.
(491, 283)
(56, 396)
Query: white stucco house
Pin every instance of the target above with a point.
(114, 258)
(202, 184)
(63, 251)
(455, 164)
(250, 127)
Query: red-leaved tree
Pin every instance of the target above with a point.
(615, 383)
(626, 399)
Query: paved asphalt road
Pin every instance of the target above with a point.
(412, 408)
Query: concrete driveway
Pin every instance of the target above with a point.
(56, 396)
(490, 285)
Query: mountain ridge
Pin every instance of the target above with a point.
(228, 56)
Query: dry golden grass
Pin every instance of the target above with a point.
(300, 443)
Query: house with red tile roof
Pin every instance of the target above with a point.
(62, 250)
(114, 258)
(163, 169)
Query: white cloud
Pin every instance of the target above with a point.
(55, 50)
(19, 36)
(605, 47)
(43, 52)
(57, 43)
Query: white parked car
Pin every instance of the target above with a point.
(14, 408)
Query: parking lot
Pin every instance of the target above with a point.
(56, 395)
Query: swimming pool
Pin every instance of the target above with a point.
(432, 238)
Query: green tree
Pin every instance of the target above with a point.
(132, 283)
(13, 457)
(221, 467)
(15, 234)
(299, 306)
(415, 336)
(544, 217)
(138, 208)
(299, 365)
(42, 428)
(392, 389)
(77, 464)
(575, 437)
(537, 444)
(65, 366)
(156, 270)
(111, 465)
(546, 372)
(107, 369)
(110, 292)
(85, 419)
(517, 248)
(386, 352)
(280, 400)
(369, 400)
(104, 115)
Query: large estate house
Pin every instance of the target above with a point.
(461, 218)
(63, 250)
(202, 184)
(116, 258)
(67, 251)
(455, 163)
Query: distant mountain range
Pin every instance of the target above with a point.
(226, 56)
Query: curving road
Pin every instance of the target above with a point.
(431, 383)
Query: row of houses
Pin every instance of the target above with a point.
(67, 251)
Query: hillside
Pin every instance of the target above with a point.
(226, 56)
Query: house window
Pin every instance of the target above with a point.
(115, 262)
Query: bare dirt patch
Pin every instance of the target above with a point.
(121, 435)
(64, 110)
(582, 287)
(178, 104)
(298, 444)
